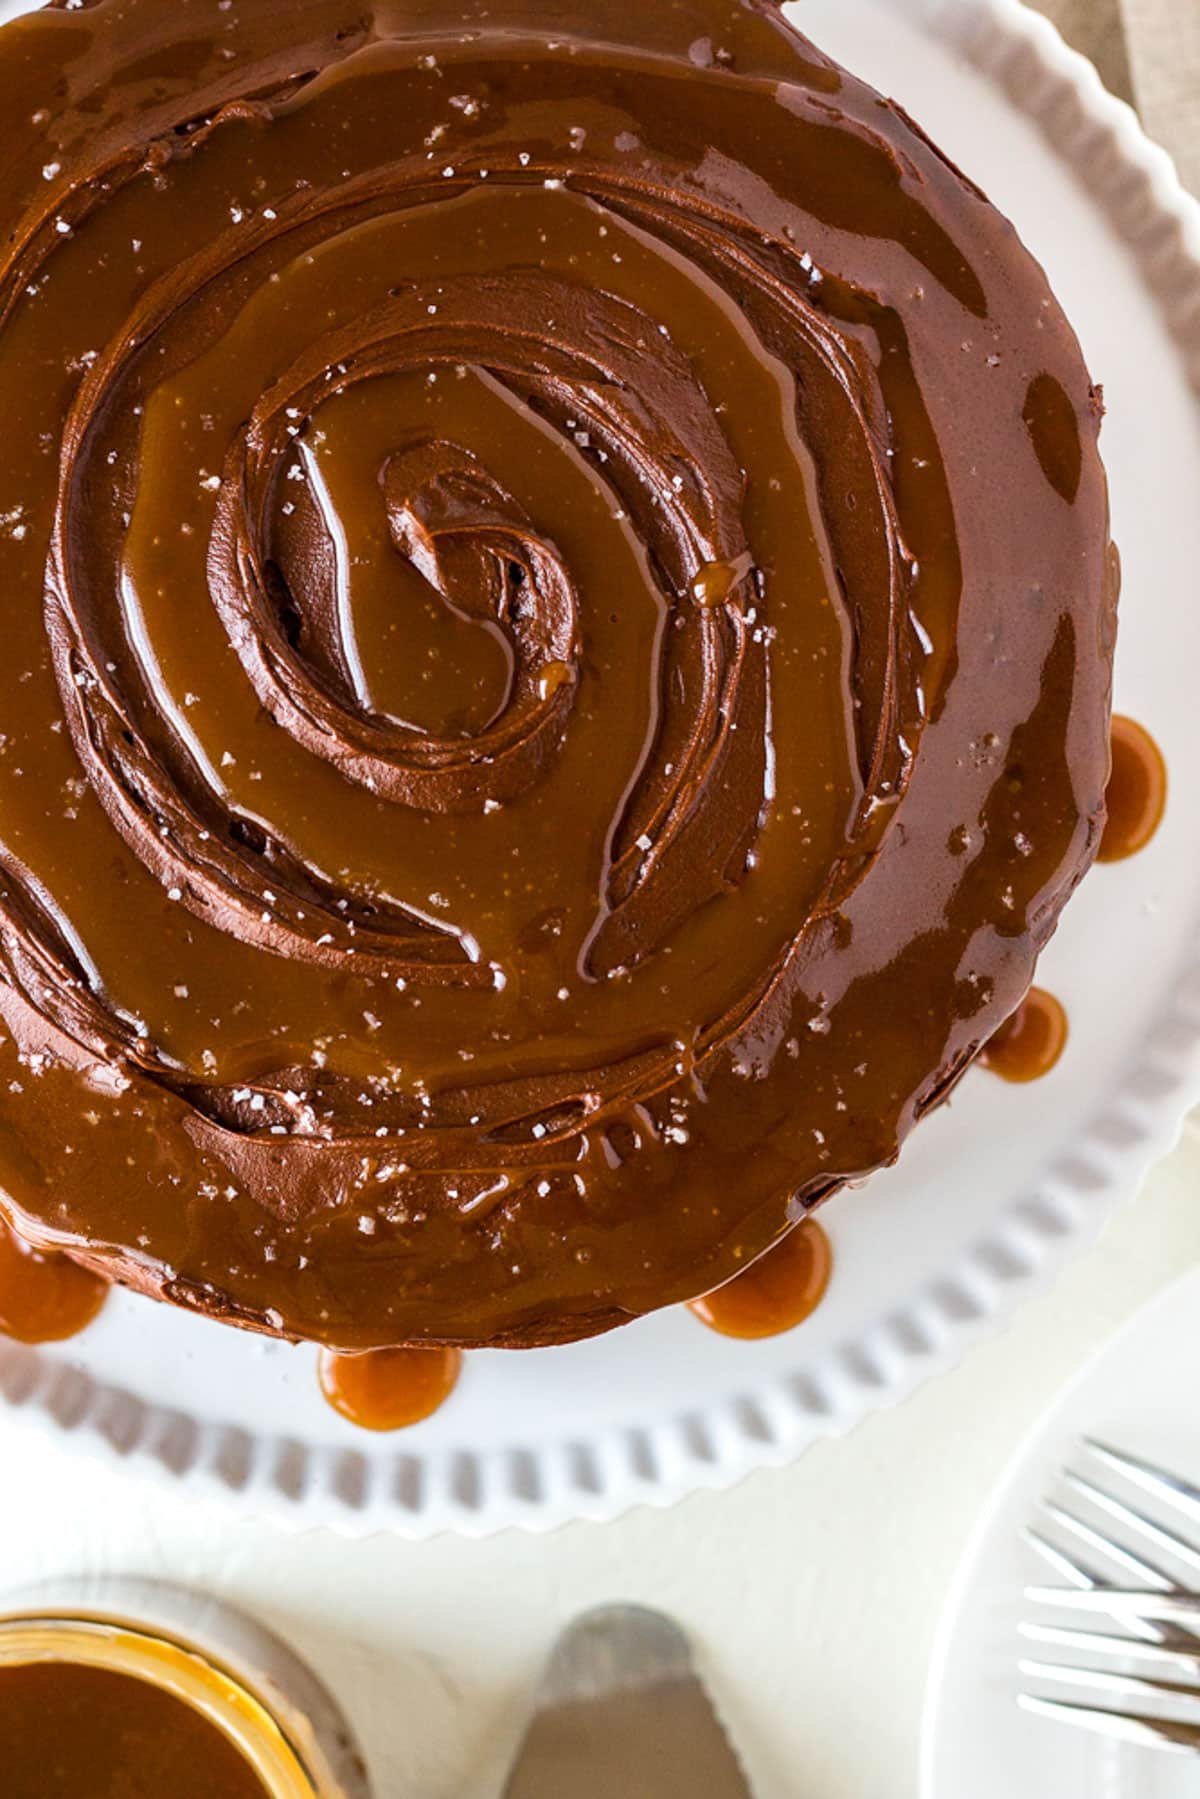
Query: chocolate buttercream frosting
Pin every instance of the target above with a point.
(558, 624)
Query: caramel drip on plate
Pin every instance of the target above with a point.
(1136, 796)
(44, 1297)
(775, 1294)
(388, 1389)
(1029, 1044)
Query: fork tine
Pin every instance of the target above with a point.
(1142, 1571)
(1158, 1481)
(1079, 1576)
(1129, 1686)
(1121, 1602)
(1062, 1563)
(1134, 1520)
(1153, 1733)
(1095, 1642)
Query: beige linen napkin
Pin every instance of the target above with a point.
(1148, 51)
(1164, 54)
(1095, 27)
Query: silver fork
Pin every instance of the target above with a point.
(1134, 1656)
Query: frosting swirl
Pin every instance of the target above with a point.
(565, 585)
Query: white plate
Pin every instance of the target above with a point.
(1138, 1394)
(994, 1193)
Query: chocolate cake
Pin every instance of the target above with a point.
(558, 615)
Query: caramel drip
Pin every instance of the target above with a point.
(44, 1297)
(776, 1293)
(1029, 1044)
(389, 1389)
(1136, 796)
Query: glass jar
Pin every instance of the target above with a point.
(231, 1670)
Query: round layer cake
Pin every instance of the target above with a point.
(558, 624)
